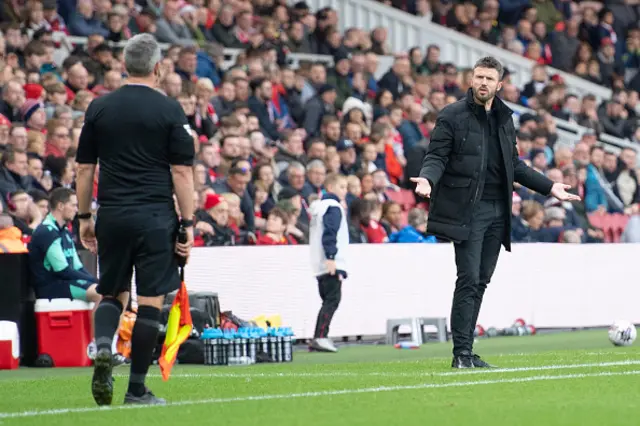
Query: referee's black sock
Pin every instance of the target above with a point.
(143, 342)
(106, 321)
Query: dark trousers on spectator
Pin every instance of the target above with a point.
(476, 260)
(330, 287)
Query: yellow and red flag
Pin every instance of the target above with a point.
(179, 327)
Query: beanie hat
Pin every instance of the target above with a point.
(4, 121)
(33, 91)
(28, 108)
(212, 201)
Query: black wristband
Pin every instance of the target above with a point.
(84, 216)
(186, 223)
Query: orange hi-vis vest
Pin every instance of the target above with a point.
(11, 241)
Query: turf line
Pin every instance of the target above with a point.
(60, 411)
(388, 374)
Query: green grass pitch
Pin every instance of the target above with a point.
(574, 378)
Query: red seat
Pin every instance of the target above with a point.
(618, 226)
(395, 196)
(404, 197)
(404, 217)
(408, 199)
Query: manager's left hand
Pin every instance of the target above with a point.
(559, 190)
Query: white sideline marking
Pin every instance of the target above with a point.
(391, 374)
(40, 413)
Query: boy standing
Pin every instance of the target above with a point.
(329, 240)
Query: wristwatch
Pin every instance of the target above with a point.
(186, 223)
(84, 216)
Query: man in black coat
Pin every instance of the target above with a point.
(471, 165)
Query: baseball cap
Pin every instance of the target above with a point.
(344, 145)
(325, 88)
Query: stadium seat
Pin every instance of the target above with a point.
(405, 217)
(404, 197)
(619, 222)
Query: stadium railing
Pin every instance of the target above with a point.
(230, 55)
(570, 133)
(406, 31)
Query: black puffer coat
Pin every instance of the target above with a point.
(456, 164)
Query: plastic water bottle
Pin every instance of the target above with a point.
(240, 360)
(287, 347)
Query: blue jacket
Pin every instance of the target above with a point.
(53, 259)
(409, 234)
(594, 193)
(411, 134)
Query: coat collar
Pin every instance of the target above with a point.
(503, 112)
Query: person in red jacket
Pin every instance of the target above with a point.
(276, 226)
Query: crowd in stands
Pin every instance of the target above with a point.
(596, 40)
(266, 135)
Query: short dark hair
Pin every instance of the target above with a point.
(596, 148)
(492, 63)
(279, 212)
(10, 156)
(60, 196)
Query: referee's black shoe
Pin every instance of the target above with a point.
(479, 362)
(463, 360)
(102, 381)
(148, 398)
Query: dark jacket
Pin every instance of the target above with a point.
(261, 110)
(11, 182)
(456, 163)
(246, 203)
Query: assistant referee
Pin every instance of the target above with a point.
(144, 146)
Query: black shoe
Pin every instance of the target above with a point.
(479, 363)
(464, 360)
(148, 398)
(102, 381)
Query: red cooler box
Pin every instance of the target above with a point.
(64, 331)
(9, 345)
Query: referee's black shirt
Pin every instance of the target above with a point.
(136, 133)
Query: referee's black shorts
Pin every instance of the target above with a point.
(143, 238)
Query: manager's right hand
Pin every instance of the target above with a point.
(423, 188)
(184, 249)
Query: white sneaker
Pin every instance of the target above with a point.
(323, 345)
(92, 350)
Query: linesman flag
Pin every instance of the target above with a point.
(179, 327)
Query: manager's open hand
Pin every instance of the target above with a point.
(423, 188)
(559, 190)
(88, 235)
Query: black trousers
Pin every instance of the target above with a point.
(476, 261)
(330, 287)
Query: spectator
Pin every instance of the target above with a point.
(528, 228)
(415, 231)
(218, 232)
(322, 104)
(359, 217)
(261, 105)
(395, 79)
(170, 28)
(10, 236)
(84, 22)
(276, 227)
(236, 183)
